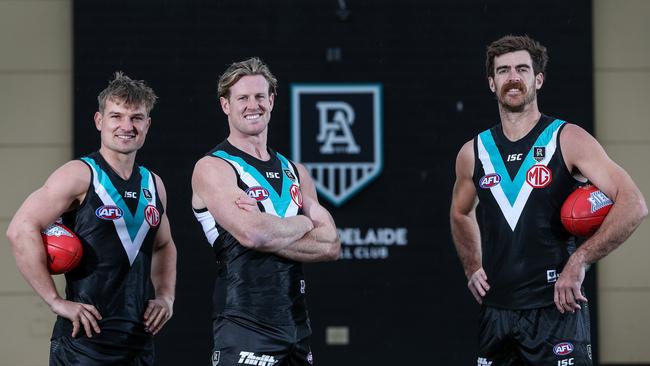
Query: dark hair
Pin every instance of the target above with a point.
(132, 92)
(512, 43)
(237, 70)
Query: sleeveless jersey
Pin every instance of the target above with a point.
(255, 285)
(116, 222)
(521, 186)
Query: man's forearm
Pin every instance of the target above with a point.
(163, 271)
(318, 245)
(274, 234)
(624, 217)
(466, 236)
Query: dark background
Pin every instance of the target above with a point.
(413, 307)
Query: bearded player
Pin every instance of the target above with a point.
(511, 181)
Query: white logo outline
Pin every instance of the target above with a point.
(339, 181)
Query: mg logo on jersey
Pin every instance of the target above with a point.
(489, 180)
(336, 134)
(563, 349)
(152, 215)
(109, 212)
(259, 193)
(296, 195)
(539, 176)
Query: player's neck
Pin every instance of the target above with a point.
(122, 164)
(516, 125)
(254, 146)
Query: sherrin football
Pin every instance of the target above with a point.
(63, 248)
(584, 210)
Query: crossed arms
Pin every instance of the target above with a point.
(311, 237)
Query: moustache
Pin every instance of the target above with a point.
(513, 85)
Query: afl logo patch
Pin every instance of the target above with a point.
(152, 215)
(563, 349)
(109, 212)
(489, 180)
(258, 193)
(296, 195)
(539, 176)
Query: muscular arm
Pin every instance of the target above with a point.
(322, 242)
(163, 271)
(65, 188)
(584, 154)
(464, 228)
(214, 185)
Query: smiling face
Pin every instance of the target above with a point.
(514, 82)
(123, 127)
(248, 106)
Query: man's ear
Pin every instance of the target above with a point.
(539, 81)
(98, 121)
(225, 105)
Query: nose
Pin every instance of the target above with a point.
(513, 75)
(252, 103)
(126, 124)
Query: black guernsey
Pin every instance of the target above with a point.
(116, 222)
(258, 286)
(521, 186)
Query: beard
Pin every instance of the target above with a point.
(529, 95)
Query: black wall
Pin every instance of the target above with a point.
(412, 307)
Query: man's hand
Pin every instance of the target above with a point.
(158, 312)
(478, 285)
(567, 288)
(81, 315)
(247, 203)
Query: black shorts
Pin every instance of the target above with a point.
(240, 341)
(66, 351)
(541, 336)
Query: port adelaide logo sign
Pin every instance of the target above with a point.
(337, 135)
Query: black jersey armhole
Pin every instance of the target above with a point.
(90, 186)
(476, 160)
(295, 169)
(559, 148)
(230, 164)
(163, 206)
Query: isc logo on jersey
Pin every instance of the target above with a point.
(259, 193)
(563, 349)
(109, 212)
(489, 180)
(539, 176)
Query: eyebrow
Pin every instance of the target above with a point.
(516, 66)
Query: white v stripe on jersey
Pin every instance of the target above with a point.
(250, 181)
(513, 212)
(131, 247)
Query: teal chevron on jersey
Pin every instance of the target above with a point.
(512, 194)
(512, 187)
(133, 222)
(280, 202)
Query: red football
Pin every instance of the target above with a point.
(584, 210)
(63, 248)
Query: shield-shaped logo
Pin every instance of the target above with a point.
(337, 135)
